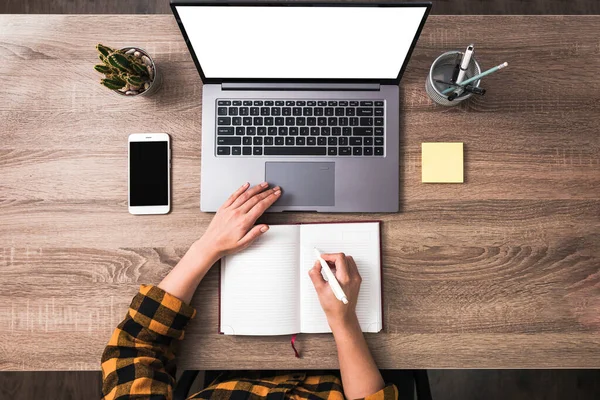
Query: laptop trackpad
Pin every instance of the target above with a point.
(303, 183)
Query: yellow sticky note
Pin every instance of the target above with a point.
(442, 162)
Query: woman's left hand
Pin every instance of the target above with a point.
(232, 228)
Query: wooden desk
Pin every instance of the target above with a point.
(500, 272)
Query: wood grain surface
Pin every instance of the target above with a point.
(50, 385)
(499, 272)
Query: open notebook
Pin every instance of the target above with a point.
(266, 289)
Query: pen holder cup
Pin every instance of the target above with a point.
(442, 69)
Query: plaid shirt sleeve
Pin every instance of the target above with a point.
(139, 359)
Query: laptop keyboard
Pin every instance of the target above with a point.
(300, 128)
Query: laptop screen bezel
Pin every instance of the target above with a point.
(205, 80)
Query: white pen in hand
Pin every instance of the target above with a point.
(330, 278)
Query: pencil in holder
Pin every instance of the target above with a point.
(442, 69)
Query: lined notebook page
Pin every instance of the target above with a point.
(259, 286)
(359, 240)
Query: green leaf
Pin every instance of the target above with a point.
(116, 79)
(103, 69)
(140, 69)
(104, 50)
(111, 84)
(134, 80)
(119, 79)
(115, 64)
(119, 61)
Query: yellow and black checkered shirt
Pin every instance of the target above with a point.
(139, 360)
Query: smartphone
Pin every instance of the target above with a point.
(149, 173)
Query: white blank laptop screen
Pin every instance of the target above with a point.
(301, 42)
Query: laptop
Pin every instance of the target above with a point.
(302, 95)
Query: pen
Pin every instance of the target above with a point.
(330, 278)
(464, 65)
(477, 77)
(456, 68)
(466, 88)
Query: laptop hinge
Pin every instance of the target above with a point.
(301, 86)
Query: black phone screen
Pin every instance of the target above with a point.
(148, 173)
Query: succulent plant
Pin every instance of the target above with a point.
(127, 71)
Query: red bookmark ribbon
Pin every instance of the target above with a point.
(294, 346)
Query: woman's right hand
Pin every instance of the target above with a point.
(360, 375)
(339, 315)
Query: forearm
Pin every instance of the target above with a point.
(183, 280)
(360, 375)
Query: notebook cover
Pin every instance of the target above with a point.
(323, 223)
(219, 308)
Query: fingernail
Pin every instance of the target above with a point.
(264, 229)
(276, 188)
(277, 192)
(246, 184)
(264, 184)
